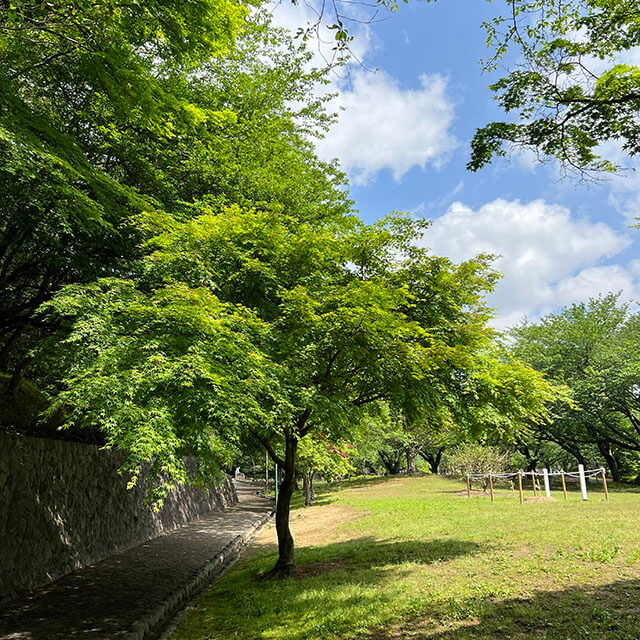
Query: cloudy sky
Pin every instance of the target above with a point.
(408, 113)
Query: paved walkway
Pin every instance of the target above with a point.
(131, 595)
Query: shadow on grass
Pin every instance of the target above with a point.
(368, 553)
(333, 585)
(606, 612)
(325, 490)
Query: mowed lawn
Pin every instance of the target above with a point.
(415, 558)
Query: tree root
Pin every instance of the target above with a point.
(277, 573)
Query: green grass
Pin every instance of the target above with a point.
(410, 558)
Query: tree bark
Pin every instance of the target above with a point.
(411, 455)
(8, 346)
(16, 378)
(391, 462)
(307, 488)
(286, 552)
(433, 459)
(611, 461)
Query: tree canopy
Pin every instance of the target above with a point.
(593, 348)
(574, 87)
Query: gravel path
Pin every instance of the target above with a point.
(130, 596)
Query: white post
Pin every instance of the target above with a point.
(547, 491)
(583, 482)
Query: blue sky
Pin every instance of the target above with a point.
(407, 116)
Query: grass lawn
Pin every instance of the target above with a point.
(415, 558)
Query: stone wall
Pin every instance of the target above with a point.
(63, 506)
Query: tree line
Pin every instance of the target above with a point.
(181, 275)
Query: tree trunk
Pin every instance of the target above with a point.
(307, 488)
(433, 459)
(611, 461)
(391, 462)
(16, 378)
(312, 489)
(411, 455)
(577, 454)
(8, 346)
(286, 556)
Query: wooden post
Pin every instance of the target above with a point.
(564, 485)
(468, 487)
(583, 482)
(547, 490)
(520, 485)
(491, 486)
(604, 483)
(535, 489)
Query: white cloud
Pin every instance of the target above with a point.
(382, 126)
(549, 258)
(593, 281)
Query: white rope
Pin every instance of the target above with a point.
(589, 473)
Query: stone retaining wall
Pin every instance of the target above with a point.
(63, 506)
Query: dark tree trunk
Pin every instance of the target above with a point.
(532, 459)
(433, 459)
(391, 462)
(312, 487)
(5, 352)
(577, 454)
(611, 461)
(286, 556)
(16, 378)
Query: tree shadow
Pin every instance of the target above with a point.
(369, 552)
(324, 491)
(332, 583)
(605, 612)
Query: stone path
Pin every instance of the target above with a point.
(131, 595)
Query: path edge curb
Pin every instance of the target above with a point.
(151, 625)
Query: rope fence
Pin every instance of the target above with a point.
(582, 475)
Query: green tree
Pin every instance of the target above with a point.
(593, 348)
(573, 87)
(80, 158)
(317, 455)
(476, 458)
(72, 74)
(253, 324)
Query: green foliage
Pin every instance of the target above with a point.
(476, 458)
(569, 92)
(331, 460)
(162, 375)
(593, 348)
(249, 323)
(94, 132)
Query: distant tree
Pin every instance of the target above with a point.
(594, 348)
(475, 458)
(317, 455)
